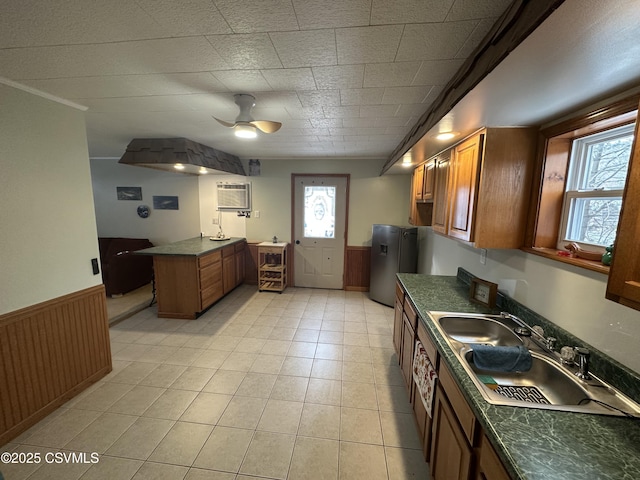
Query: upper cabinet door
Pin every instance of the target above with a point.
(624, 277)
(418, 183)
(465, 168)
(428, 181)
(441, 191)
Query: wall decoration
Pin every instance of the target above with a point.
(163, 202)
(144, 211)
(129, 193)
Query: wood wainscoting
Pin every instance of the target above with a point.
(49, 352)
(357, 269)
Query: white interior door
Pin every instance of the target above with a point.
(320, 214)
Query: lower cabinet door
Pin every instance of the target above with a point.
(450, 453)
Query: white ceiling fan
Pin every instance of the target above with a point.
(245, 126)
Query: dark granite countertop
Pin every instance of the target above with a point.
(193, 247)
(533, 444)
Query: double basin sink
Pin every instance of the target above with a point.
(548, 384)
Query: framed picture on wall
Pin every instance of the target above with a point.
(129, 193)
(165, 202)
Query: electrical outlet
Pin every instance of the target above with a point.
(483, 256)
(215, 221)
(257, 213)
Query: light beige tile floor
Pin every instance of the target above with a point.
(299, 385)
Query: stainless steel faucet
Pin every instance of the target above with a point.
(583, 363)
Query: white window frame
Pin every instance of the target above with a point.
(577, 171)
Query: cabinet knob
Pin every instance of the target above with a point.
(297, 242)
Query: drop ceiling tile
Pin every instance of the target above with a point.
(434, 41)
(246, 51)
(398, 95)
(145, 56)
(243, 80)
(88, 87)
(379, 110)
(290, 79)
(368, 44)
(361, 96)
(277, 99)
(262, 16)
(177, 83)
(411, 110)
(341, 112)
(137, 104)
(359, 122)
(314, 14)
(482, 29)
(319, 97)
(436, 72)
(186, 17)
(306, 112)
(473, 9)
(306, 49)
(409, 11)
(390, 74)
(327, 122)
(28, 24)
(394, 121)
(339, 76)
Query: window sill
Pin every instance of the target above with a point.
(552, 254)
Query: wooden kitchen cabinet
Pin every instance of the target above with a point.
(240, 251)
(397, 320)
(451, 455)
(420, 211)
(440, 221)
(464, 179)
(624, 276)
(228, 268)
(423, 182)
(489, 466)
(487, 190)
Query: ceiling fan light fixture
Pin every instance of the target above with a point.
(245, 131)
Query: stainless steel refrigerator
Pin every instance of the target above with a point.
(393, 250)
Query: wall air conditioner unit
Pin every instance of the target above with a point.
(234, 196)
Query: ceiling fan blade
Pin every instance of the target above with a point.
(266, 126)
(226, 124)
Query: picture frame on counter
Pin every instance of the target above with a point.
(483, 292)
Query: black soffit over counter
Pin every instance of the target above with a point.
(180, 155)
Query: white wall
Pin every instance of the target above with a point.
(372, 199)
(47, 222)
(119, 218)
(571, 297)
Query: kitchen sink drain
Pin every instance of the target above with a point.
(524, 394)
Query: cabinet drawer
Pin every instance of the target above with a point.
(426, 341)
(411, 312)
(210, 294)
(459, 404)
(209, 258)
(263, 249)
(239, 247)
(210, 274)
(229, 251)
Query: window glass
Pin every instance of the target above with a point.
(319, 211)
(597, 173)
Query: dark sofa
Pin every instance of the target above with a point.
(122, 271)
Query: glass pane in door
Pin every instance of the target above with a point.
(319, 211)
